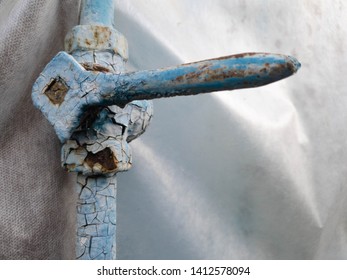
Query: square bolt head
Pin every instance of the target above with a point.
(57, 93)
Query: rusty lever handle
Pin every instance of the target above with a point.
(65, 89)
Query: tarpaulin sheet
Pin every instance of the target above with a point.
(249, 174)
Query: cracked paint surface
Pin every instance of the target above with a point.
(96, 218)
(97, 144)
(101, 147)
(97, 150)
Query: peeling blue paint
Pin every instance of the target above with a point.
(96, 222)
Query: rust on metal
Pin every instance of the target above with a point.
(88, 42)
(105, 158)
(101, 34)
(240, 55)
(221, 73)
(69, 167)
(205, 74)
(95, 67)
(56, 91)
(93, 37)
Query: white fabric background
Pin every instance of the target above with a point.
(249, 174)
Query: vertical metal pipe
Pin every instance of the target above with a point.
(99, 148)
(96, 218)
(96, 204)
(99, 12)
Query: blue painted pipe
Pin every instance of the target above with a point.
(96, 204)
(99, 12)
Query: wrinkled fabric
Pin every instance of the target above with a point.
(248, 174)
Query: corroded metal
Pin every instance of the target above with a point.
(91, 37)
(100, 145)
(56, 91)
(96, 110)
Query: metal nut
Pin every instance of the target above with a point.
(93, 37)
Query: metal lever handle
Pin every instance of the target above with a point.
(65, 89)
(225, 73)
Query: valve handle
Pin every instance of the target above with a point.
(65, 89)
